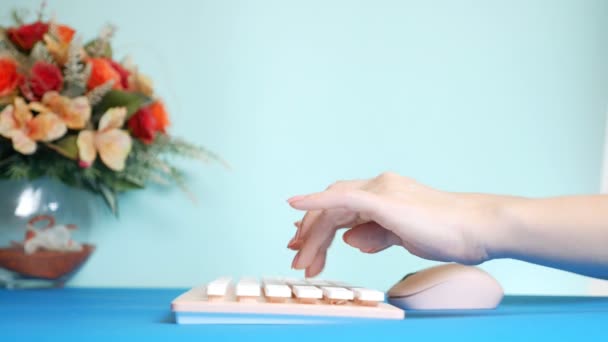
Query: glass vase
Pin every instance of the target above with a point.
(44, 230)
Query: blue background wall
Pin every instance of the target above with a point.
(492, 96)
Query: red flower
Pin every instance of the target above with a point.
(27, 35)
(44, 77)
(102, 72)
(9, 77)
(143, 125)
(124, 73)
(148, 120)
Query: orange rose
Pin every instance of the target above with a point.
(102, 72)
(65, 33)
(160, 114)
(9, 77)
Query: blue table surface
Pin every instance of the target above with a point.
(134, 314)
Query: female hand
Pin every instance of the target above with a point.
(393, 210)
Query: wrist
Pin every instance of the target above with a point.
(500, 235)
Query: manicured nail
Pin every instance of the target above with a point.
(294, 244)
(297, 244)
(295, 261)
(296, 198)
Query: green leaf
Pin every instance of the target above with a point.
(8, 160)
(67, 146)
(93, 49)
(118, 98)
(123, 184)
(109, 197)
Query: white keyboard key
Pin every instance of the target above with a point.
(368, 295)
(218, 287)
(318, 282)
(340, 284)
(248, 287)
(337, 293)
(273, 280)
(307, 292)
(277, 290)
(296, 282)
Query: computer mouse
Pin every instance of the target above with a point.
(447, 287)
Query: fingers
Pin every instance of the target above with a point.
(370, 237)
(292, 243)
(355, 200)
(319, 225)
(318, 263)
(304, 226)
(318, 239)
(310, 217)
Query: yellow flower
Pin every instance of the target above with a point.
(74, 112)
(24, 129)
(58, 42)
(137, 81)
(112, 143)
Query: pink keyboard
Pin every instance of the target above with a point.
(280, 300)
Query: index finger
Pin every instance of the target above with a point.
(354, 200)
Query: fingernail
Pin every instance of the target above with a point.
(295, 261)
(294, 244)
(296, 198)
(298, 223)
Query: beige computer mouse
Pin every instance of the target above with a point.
(449, 286)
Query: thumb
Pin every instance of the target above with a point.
(370, 237)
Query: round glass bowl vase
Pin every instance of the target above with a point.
(44, 230)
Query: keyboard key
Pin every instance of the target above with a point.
(218, 287)
(273, 280)
(368, 297)
(337, 295)
(339, 284)
(318, 282)
(307, 294)
(248, 289)
(296, 282)
(277, 293)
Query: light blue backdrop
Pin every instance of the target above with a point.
(496, 96)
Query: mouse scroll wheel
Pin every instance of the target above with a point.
(407, 275)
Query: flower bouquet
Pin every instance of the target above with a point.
(71, 111)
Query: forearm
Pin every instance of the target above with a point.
(568, 233)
